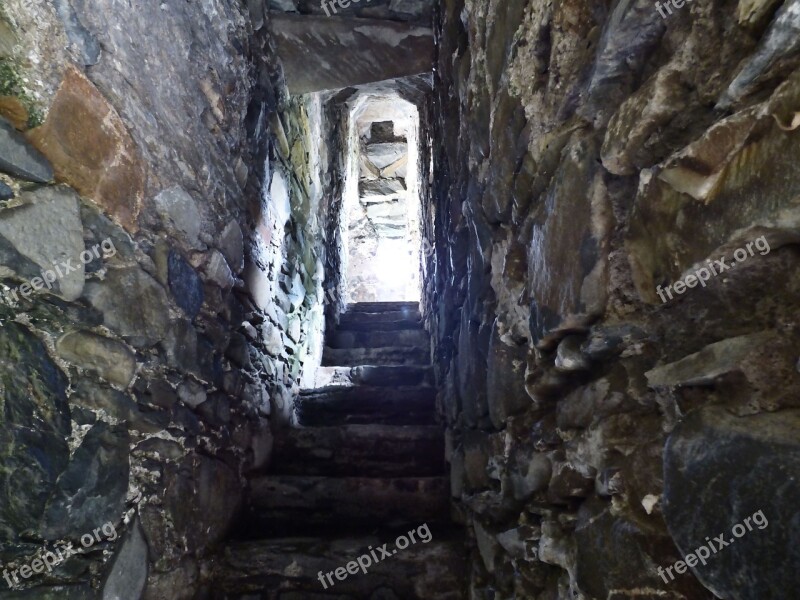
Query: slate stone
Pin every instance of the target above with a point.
(127, 576)
(19, 159)
(6, 193)
(185, 285)
(45, 230)
(92, 489)
(77, 34)
(720, 469)
(373, 48)
(505, 382)
(616, 552)
(132, 304)
(119, 405)
(782, 39)
(201, 500)
(180, 346)
(181, 216)
(34, 427)
(384, 154)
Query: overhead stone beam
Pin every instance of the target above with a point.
(328, 53)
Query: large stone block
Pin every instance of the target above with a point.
(34, 427)
(91, 150)
(720, 470)
(92, 489)
(568, 244)
(348, 52)
(45, 233)
(729, 187)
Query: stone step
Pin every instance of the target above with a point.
(382, 306)
(375, 356)
(375, 317)
(281, 504)
(377, 338)
(366, 404)
(289, 568)
(389, 375)
(360, 450)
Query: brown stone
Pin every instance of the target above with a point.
(13, 110)
(91, 150)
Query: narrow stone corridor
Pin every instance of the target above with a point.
(399, 299)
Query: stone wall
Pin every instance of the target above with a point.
(590, 155)
(152, 145)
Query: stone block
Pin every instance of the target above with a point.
(376, 50)
(91, 150)
(108, 358)
(720, 469)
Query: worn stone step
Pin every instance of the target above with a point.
(377, 318)
(365, 323)
(377, 375)
(412, 405)
(375, 338)
(289, 568)
(382, 306)
(360, 450)
(336, 357)
(280, 504)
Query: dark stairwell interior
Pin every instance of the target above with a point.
(399, 299)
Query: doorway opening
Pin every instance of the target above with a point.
(381, 216)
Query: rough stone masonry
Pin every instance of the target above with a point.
(574, 156)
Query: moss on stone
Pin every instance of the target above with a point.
(11, 84)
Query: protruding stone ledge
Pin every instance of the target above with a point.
(328, 53)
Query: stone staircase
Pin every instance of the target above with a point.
(363, 465)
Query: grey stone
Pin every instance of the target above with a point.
(185, 285)
(108, 358)
(372, 45)
(720, 470)
(47, 231)
(127, 575)
(34, 427)
(6, 193)
(217, 271)
(132, 304)
(505, 383)
(569, 356)
(528, 472)
(120, 406)
(713, 361)
(77, 34)
(488, 547)
(231, 244)
(389, 210)
(181, 216)
(616, 552)
(180, 346)
(384, 154)
(20, 159)
(781, 40)
(92, 489)
(191, 393)
(381, 190)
